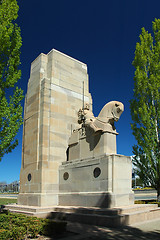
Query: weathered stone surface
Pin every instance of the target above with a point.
(81, 170)
(54, 94)
(92, 146)
(96, 182)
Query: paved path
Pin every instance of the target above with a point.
(145, 194)
(149, 226)
(145, 231)
(13, 196)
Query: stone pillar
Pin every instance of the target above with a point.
(53, 97)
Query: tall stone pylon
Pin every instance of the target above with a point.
(54, 95)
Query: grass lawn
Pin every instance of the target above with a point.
(4, 201)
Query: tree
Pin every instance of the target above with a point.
(10, 94)
(145, 107)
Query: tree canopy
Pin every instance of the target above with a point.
(10, 94)
(145, 107)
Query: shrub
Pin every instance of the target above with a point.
(18, 226)
(5, 234)
(34, 226)
(140, 202)
(18, 232)
(147, 202)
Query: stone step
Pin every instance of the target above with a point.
(73, 214)
(142, 216)
(87, 210)
(43, 212)
(108, 217)
(136, 208)
(106, 211)
(91, 219)
(27, 209)
(69, 209)
(22, 212)
(33, 214)
(95, 216)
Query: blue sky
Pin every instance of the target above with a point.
(102, 34)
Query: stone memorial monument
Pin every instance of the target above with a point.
(94, 175)
(69, 156)
(70, 166)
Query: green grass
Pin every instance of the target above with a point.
(5, 201)
(6, 193)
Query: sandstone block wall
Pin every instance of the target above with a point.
(104, 182)
(54, 95)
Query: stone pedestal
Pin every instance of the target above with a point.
(90, 145)
(55, 92)
(101, 182)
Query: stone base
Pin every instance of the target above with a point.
(38, 199)
(100, 200)
(104, 181)
(41, 212)
(90, 145)
(111, 217)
